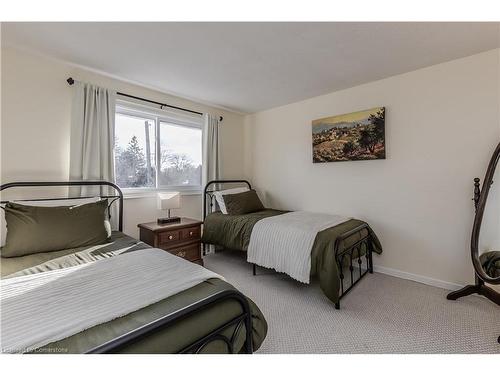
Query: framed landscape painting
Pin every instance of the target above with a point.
(353, 136)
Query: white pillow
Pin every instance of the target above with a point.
(220, 200)
(49, 203)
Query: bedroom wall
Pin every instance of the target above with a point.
(442, 124)
(35, 126)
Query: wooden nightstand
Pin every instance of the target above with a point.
(182, 238)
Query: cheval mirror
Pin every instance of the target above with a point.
(485, 251)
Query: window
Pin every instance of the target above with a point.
(180, 155)
(135, 151)
(157, 150)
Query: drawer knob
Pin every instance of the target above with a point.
(181, 254)
(190, 233)
(170, 237)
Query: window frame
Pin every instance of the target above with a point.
(127, 108)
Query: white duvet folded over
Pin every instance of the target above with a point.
(284, 242)
(49, 306)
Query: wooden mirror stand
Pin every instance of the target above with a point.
(481, 277)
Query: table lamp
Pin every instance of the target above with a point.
(167, 201)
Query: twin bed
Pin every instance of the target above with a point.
(340, 256)
(209, 317)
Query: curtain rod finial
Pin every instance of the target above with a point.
(70, 81)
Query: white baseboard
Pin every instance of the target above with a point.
(418, 278)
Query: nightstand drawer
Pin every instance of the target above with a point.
(189, 252)
(192, 233)
(181, 238)
(168, 237)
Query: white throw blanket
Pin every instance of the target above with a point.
(49, 306)
(284, 242)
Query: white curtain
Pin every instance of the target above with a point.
(211, 157)
(92, 138)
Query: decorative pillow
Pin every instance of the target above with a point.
(47, 203)
(219, 196)
(243, 203)
(35, 229)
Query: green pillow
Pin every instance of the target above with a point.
(32, 229)
(242, 203)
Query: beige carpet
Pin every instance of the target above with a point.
(382, 314)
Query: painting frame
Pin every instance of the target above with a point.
(354, 136)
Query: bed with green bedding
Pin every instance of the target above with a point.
(209, 316)
(170, 340)
(336, 253)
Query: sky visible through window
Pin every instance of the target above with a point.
(128, 126)
(181, 140)
(180, 153)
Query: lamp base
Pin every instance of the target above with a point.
(168, 220)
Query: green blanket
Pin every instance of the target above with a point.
(169, 340)
(234, 231)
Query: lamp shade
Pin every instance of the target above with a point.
(168, 200)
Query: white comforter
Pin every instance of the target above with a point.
(284, 242)
(49, 306)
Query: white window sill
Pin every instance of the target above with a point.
(154, 193)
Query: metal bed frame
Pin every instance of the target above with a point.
(349, 259)
(123, 341)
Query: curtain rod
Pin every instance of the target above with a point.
(71, 81)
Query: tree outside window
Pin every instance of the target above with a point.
(136, 154)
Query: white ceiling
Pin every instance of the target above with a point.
(248, 67)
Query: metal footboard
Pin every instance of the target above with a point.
(350, 259)
(245, 318)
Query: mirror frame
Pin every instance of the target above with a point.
(478, 219)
